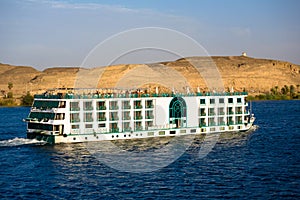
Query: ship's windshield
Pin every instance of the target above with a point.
(45, 104)
(41, 115)
(39, 104)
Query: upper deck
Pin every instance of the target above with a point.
(97, 94)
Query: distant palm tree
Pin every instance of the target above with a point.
(10, 85)
(10, 93)
(273, 91)
(276, 89)
(286, 89)
(292, 90)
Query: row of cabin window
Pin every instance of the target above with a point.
(88, 104)
(126, 125)
(221, 100)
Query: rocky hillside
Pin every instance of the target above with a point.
(237, 72)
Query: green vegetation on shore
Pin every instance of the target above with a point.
(25, 100)
(285, 93)
(9, 99)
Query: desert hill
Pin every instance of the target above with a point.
(238, 72)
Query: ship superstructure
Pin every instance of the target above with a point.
(78, 115)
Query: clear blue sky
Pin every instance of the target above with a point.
(44, 33)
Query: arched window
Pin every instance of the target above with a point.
(177, 108)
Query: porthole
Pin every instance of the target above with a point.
(97, 137)
(129, 135)
(74, 138)
(124, 135)
(193, 131)
(85, 138)
(112, 136)
(137, 134)
(117, 136)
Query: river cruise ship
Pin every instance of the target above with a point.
(85, 115)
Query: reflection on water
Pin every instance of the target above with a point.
(236, 138)
(142, 155)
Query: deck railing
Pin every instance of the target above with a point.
(117, 95)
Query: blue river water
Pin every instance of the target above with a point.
(264, 164)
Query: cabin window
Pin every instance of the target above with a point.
(230, 100)
(149, 123)
(74, 106)
(101, 105)
(212, 101)
(89, 126)
(182, 131)
(202, 101)
(59, 116)
(221, 121)
(126, 115)
(74, 117)
(149, 104)
(211, 112)
(202, 112)
(138, 115)
(239, 100)
(87, 105)
(62, 104)
(101, 116)
(138, 104)
(75, 126)
(202, 122)
(114, 128)
(161, 133)
(126, 126)
(138, 126)
(150, 133)
(126, 105)
(238, 110)
(113, 116)
(149, 114)
(88, 117)
(211, 122)
(113, 105)
(101, 125)
(221, 100)
(221, 111)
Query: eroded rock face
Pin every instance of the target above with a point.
(237, 72)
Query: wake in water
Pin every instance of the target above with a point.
(20, 141)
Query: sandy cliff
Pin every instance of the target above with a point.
(240, 72)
